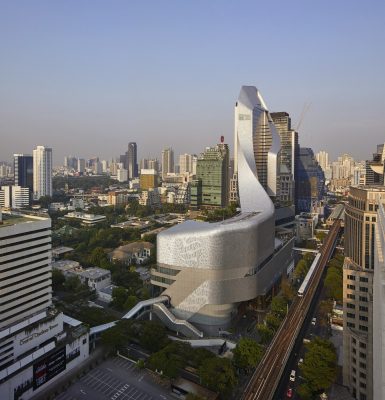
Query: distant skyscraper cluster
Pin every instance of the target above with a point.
(32, 179)
(343, 172)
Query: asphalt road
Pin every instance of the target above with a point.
(116, 379)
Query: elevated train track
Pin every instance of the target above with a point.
(266, 377)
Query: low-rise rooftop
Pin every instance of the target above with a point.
(12, 218)
(94, 273)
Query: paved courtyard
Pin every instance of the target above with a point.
(116, 379)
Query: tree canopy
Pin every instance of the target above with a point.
(218, 374)
(279, 306)
(334, 278)
(265, 333)
(319, 368)
(247, 354)
(301, 269)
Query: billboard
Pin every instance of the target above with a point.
(49, 367)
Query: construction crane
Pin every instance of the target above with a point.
(305, 109)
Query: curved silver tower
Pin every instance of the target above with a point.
(208, 268)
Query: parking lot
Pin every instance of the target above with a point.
(116, 379)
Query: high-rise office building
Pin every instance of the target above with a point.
(122, 175)
(23, 169)
(360, 226)
(379, 307)
(70, 162)
(97, 168)
(143, 164)
(148, 179)
(310, 181)
(375, 167)
(167, 161)
(149, 163)
(81, 165)
(287, 157)
(14, 196)
(153, 164)
(42, 172)
(132, 160)
(266, 140)
(123, 160)
(36, 346)
(186, 163)
(5, 170)
(359, 174)
(213, 175)
(289, 140)
(105, 166)
(322, 158)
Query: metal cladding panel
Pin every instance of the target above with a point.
(244, 243)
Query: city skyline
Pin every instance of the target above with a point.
(84, 76)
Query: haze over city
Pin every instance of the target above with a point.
(87, 77)
(192, 200)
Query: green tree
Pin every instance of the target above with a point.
(272, 321)
(265, 333)
(247, 354)
(45, 201)
(114, 338)
(140, 364)
(321, 236)
(92, 315)
(97, 256)
(171, 358)
(144, 293)
(153, 336)
(128, 279)
(287, 290)
(72, 284)
(325, 309)
(166, 363)
(279, 306)
(218, 374)
(198, 356)
(333, 282)
(308, 257)
(319, 368)
(304, 391)
(57, 279)
(119, 297)
(130, 302)
(301, 269)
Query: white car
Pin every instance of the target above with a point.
(313, 321)
(292, 375)
(300, 361)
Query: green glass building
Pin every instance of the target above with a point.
(213, 174)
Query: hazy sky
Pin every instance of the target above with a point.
(87, 77)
